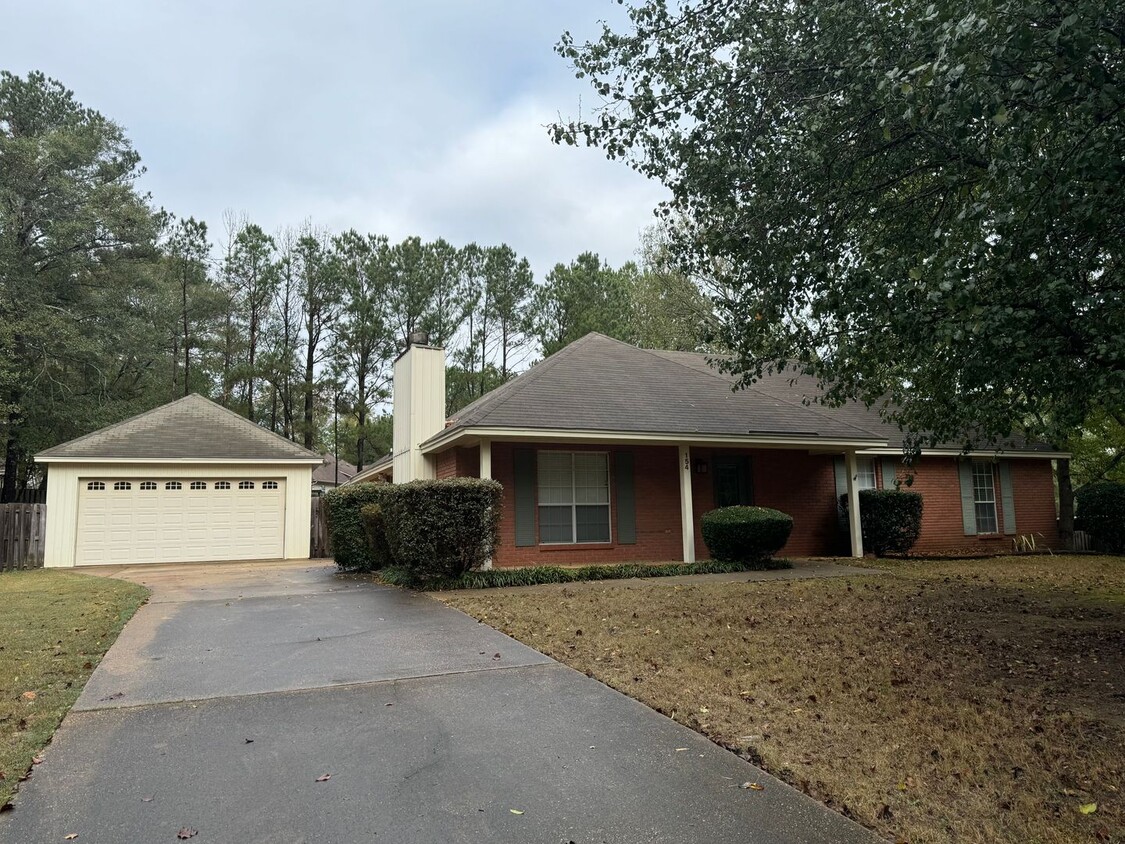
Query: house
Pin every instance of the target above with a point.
(189, 481)
(610, 453)
(331, 474)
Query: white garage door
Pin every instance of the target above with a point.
(155, 520)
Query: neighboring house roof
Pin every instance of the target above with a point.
(326, 473)
(380, 467)
(601, 384)
(191, 428)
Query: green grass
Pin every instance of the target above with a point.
(537, 575)
(54, 629)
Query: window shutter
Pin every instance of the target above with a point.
(625, 498)
(841, 489)
(1007, 498)
(968, 505)
(524, 470)
(889, 466)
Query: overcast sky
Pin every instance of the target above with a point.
(414, 117)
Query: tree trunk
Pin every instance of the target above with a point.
(187, 340)
(11, 462)
(1066, 504)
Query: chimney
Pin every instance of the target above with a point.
(419, 405)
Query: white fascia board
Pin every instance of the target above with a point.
(442, 442)
(188, 461)
(956, 452)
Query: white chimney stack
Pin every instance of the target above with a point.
(419, 406)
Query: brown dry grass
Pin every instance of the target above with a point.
(967, 701)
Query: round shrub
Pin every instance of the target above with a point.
(1101, 506)
(745, 534)
(345, 524)
(891, 520)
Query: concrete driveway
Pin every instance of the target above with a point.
(282, 703)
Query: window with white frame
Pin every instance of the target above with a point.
(148, 485)
(865, 473)
(269, 484)
(984, 497)
(573, 497)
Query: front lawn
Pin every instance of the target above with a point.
(967, 701)
(54, 628)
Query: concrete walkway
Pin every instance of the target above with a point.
(284, 703)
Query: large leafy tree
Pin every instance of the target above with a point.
(919, 203)
(583, 296)
(74, 336)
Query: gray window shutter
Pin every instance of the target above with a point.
(524, 470)
(889, 466)
(625, 498)
(968, 505)
(1007, 499)
(841, 489)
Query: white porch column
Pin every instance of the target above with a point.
(485, 458)
(486, 472)
(687, 518)
(854, 525)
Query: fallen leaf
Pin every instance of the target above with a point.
(248, 741)
(70, 837)
(324, 778)
(187, 832)
(753, 786)
(680, 749)
(148, 799)
(515, 811)
(1088, 808)
(36, 760)
(29, 695)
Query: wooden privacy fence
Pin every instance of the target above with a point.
(23, 530)
(320, 544)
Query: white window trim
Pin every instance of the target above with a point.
(993, 502)
(573, 495)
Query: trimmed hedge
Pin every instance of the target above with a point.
(345, 524)
(536, 575)
(375, 529)
(1101, 506)
(745, 534)
(441, 529)
(891, 520)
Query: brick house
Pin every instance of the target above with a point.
(610, 453)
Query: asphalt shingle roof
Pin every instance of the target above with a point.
(601, 384)
(193, 427)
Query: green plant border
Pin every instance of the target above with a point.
(537, 575)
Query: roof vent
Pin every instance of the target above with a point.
(418, 338)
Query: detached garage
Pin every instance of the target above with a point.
(187, 482)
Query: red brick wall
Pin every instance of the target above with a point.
(943, 529)
(795, 482)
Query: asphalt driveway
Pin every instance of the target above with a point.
(284, 703)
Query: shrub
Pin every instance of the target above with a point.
(1102, 505)
(345, 524)
(535, 575)
(442, 529)
(375, 530)
(744, 534)
(891, 520)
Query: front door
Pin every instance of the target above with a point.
(732, 481)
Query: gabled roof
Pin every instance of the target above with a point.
(601, 384)
(326, 473)
(191, 428)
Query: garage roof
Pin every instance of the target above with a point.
(191, 428)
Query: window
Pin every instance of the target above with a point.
(148, 485)
(984, 497)
(573, 497)
(122, 485)
(198, 485)
(222, 484)
(96, 485)
(269, 484)
(173, 485)
(865, 474)
(245, 484)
